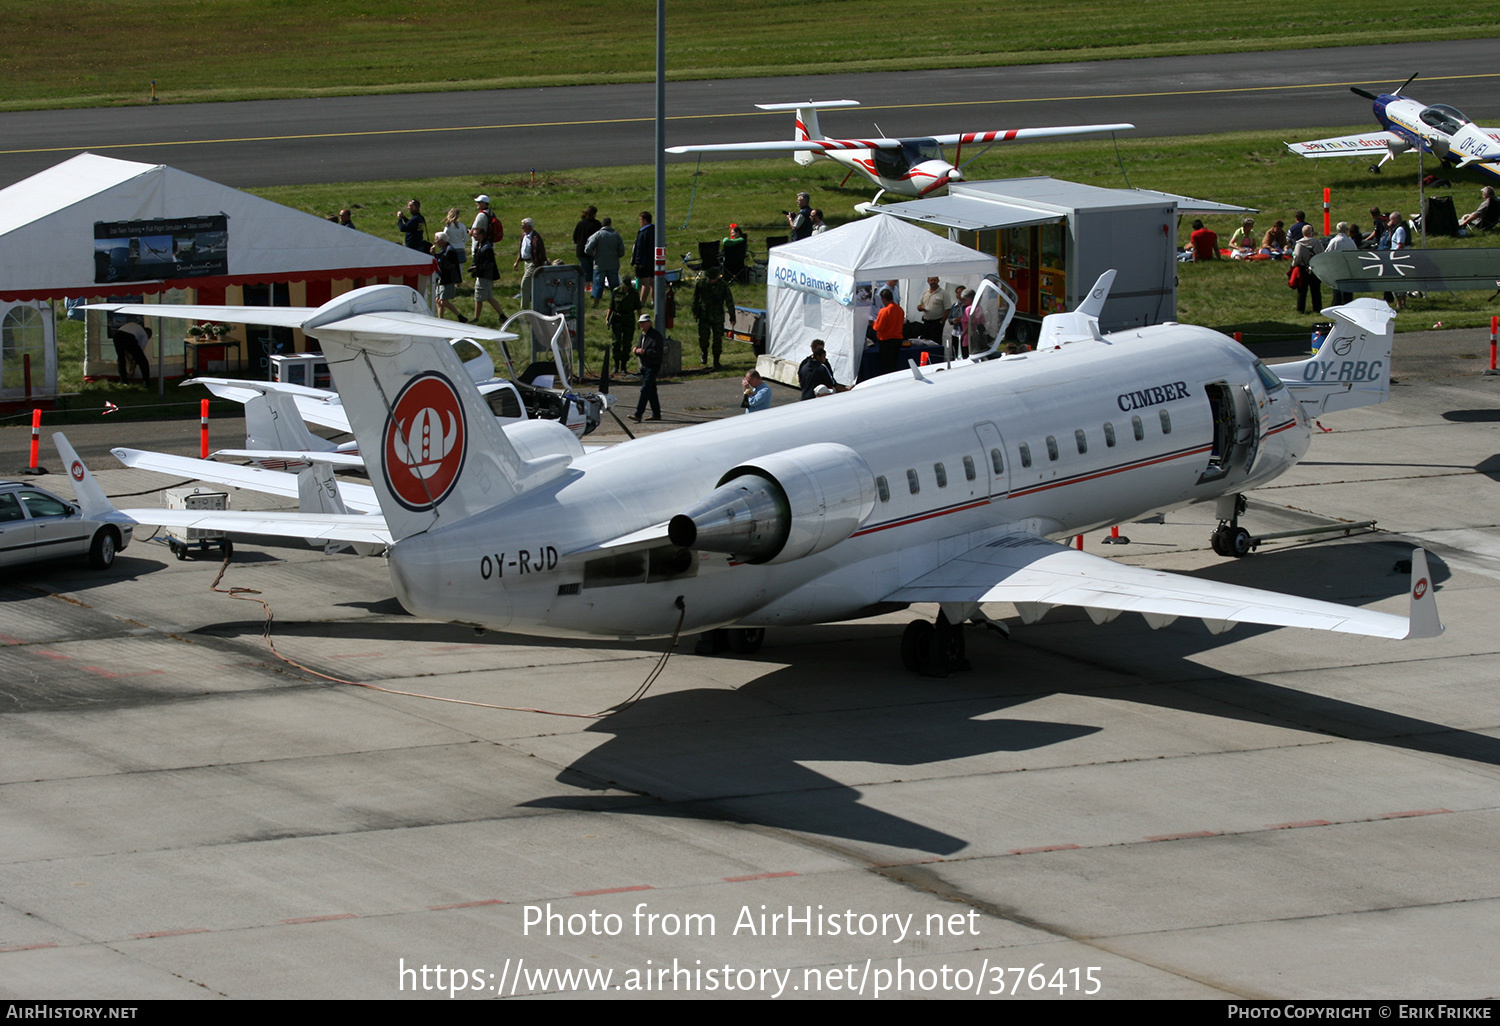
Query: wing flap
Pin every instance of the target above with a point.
(1025, 569)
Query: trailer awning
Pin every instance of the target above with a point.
(970, 215)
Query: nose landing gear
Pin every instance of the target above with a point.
(1229, 538)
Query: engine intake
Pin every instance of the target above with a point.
(781, 507)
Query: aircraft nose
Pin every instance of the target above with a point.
(955, 175)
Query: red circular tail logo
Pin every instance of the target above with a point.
(1420, 589)
(426, 440)
(76, 470)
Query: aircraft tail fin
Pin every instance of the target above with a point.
(272, 422)
(1080, 324)
(807, 122)
(91, 498)
(434, 451)
(1353, 365)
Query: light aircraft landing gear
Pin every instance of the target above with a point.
(1229, 538)
(933, 649)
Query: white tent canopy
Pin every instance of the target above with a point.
(817, 287)
(94, 225)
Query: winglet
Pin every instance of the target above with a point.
(1424, 612)
(91, 498)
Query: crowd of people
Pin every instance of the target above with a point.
(1389, 230)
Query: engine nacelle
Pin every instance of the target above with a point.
(535, 439)
(781, 507)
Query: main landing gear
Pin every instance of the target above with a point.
(1229, 538)
(934, 649)
(739, 640)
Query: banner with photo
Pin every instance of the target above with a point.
(180, 247)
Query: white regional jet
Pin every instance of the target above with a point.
(841, 508)
(904, 167)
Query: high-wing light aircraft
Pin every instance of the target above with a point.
(904, 167)
(837, 509)
(1410, 124)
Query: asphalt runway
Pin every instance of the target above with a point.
(1264, 813)
(508, 132)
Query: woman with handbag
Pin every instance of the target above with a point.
(1302, 277)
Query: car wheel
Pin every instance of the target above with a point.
(102, 552)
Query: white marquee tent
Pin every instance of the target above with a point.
(60, 229)
(821, 286)
(97, 226)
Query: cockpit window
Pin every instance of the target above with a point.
(895, 163)
(466, 349)
(1444, 118)
(1270, 380)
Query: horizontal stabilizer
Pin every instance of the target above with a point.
(348, 527)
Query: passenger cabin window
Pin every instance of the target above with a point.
(1109, 435)
(1051, 447)
(1138, 427)
(1082, 440)
(1166, 422)
(1025, 455)
(969, 468)
(941, 473)
(883, 488)
(912, 482)
(998, 464)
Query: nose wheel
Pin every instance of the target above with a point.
(1229, 538)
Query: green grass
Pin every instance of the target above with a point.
(95, 52)
(1249, 169)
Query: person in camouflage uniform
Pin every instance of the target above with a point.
(712, 303)
(624, 306)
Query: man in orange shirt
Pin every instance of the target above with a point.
(890, 331)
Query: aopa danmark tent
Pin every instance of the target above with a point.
(821, 287)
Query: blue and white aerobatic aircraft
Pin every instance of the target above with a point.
(903, 167)
(1411, 125)
(945, 485)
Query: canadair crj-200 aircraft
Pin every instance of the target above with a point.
(1410, 124)
(940, 485)
(903, 167)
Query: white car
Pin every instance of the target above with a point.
(37, 525)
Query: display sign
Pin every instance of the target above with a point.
(181, 247)
(834, 285)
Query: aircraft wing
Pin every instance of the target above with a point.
(1017, 134)
(268, 482)
(830, 145)
(1037, 574)
(1366, 144)
(335, 527)
(790, 145)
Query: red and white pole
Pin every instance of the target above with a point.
(203, 428)
(1078, 539)
(36, 442)
(1494, 329)
(1327, 220)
